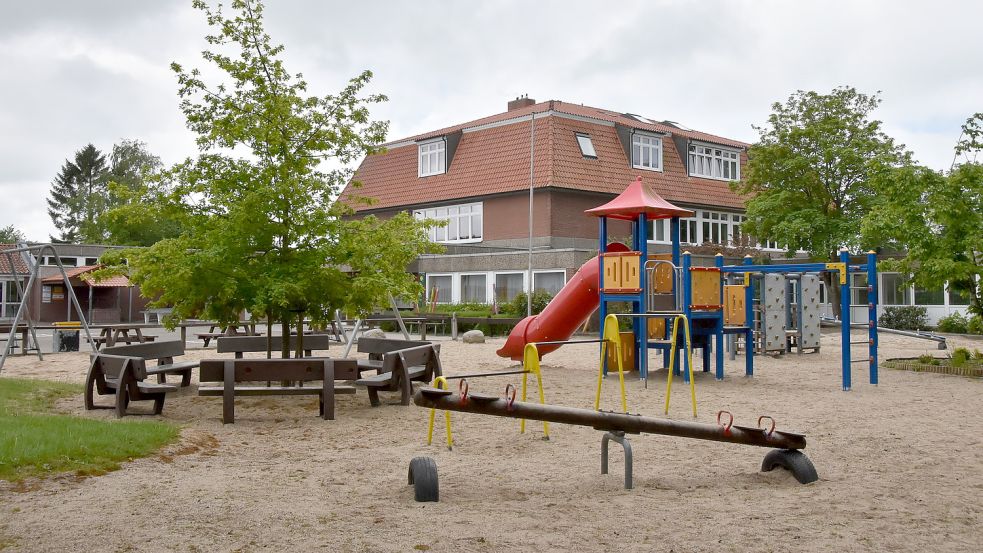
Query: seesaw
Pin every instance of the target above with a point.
(787, 453)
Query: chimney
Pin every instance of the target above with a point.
(521, 102)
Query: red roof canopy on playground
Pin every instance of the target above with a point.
(638, 198)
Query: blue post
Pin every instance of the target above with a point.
(639, 324)
(687, 301)
(872, 298)
(719, 263)
(602, 223)
(749, 323)
(845, 317)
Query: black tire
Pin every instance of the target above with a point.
(423, 477)
(793, 461)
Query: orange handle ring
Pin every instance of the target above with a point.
(771, 430)
(509, 396)
(730, 421)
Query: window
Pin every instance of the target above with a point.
(91, 261)
(659, 232)
(9, 299)
(586, 146)
(464, 223)
(714, 162)
(894, 291)
(69, 261)
(439, 287)
(550, 282)
(687, 232)
(957, 297)
(931, 296)
(646, 152)
(715, 227)
(858, 292)
(507, 286)
(473, 289)
(432, 157)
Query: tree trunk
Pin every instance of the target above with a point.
(300, 335)
(285, 331)
(832, 281)
(269, 335)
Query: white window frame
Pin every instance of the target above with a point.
(713, 158)
(484, 288)
(650, 142)
(457, 216)
(434, 152)
(532, 285)
(440, 301)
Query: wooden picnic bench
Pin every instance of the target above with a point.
(400, 368)
(231, 373)
(109, 335)
(377, 347)
(163, 353)
(248, 329)
(124, 377)
(251, 344)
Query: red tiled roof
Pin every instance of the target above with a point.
(496, 160)
(82, 273)
(20, 267)
(636, 199)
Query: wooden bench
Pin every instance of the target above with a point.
(243, 344)
(232, 372)
(102, 340)
(164, 354)
(123, 377)
(377, 347)
(400, 368)
(230, 330)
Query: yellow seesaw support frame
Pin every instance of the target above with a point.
(530, 365)
(672, 360)
(611, 336)
(440, 383)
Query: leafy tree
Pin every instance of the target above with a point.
(262, 230)
(936, 219)
(808, 178)
(11, 235)
(79, 195)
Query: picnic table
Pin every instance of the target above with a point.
(248, 328)
(21, 329)
(125, 332)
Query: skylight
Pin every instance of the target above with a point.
(586, 146)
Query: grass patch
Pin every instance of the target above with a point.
(34, 442)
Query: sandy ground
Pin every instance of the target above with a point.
(901, 468)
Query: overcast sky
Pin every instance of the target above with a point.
(98, 70)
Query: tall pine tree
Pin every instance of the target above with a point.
(79, 195)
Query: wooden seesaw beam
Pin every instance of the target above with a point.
(616, 425)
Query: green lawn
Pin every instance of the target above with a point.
(35, 442)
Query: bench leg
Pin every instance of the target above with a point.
(122, 400)
(186, 378)
(161, 378)
(159, 404)
(406, 391)
(90, 383)
(374, 397)
(327, 401)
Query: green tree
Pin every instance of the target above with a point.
(11, 235)
(936, 219)
(79, 195)
(808, 178)
(263, 231)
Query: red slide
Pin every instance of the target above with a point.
(563, 316)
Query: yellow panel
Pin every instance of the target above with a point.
(657, 328)
(706, 287)
(621, 272)
(662, 276)
(627, 353)
(630, 266)
(734, 312)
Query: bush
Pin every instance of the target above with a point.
(955, 323)
(927, 360)
(977, 354)
(517, 307)
(908, 317)
(960, 357)
(975, 325)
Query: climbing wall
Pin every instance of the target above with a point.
(773, 312)
(809, 311)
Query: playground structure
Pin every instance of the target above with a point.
(615, 426)
(746, 301)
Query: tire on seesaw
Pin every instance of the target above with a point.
(423, 477)
(793, 461)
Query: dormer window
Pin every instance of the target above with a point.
(586, 146)
(714, 162)
(646, 151)
(433, 157)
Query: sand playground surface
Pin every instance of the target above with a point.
(900, 466)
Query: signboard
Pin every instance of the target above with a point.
(58, 293)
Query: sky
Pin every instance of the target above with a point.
(98, 71)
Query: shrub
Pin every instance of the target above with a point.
(927, 360)
(975, 325)
(960, 357)
(977, 354)
(517, 307)
(955, 323)
(907, 317)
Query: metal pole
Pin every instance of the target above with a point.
(399, 318)
(532, 148)
(845, 317)
(872, 313)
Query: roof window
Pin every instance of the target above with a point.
(586, 146)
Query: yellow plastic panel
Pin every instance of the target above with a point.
(734, 312)
(706, 288)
